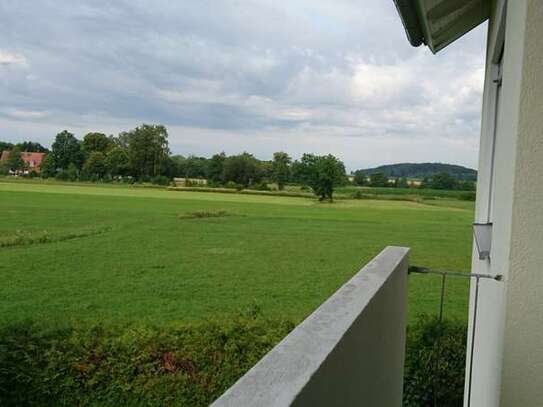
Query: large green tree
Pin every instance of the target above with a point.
(147, 147)
(15, 162)
(215, 168)
(4, 145)
(242, 169)
(32, 147)
(117, 162)
(95, 165)
(96, 142)
(66, 150)
(48, 167)
(281, 169)
(321, 173)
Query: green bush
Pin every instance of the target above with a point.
(261, 186)
(160, 180)
(433, 371)
(233, 185)
(467, 196)
(189, 365)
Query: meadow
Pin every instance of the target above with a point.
(122, 295)
(89, 253)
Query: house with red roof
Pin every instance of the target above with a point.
(32, 160)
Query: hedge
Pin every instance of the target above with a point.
(133, 365)
(435, 363)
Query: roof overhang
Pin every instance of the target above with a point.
(437, 23)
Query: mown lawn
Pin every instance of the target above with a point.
(118, 254)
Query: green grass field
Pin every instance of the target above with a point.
(120, 254)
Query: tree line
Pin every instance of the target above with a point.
(143, 155)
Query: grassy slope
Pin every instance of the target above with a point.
(287, 254)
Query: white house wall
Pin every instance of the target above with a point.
(522, 373)
(510, 314)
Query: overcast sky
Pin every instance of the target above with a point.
(321, 76)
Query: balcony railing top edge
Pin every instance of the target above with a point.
(278, 378)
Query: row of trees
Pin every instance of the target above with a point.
(143, 154)
(441, 180)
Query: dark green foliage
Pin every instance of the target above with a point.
(423, 170)
(48, 168)
(321, 173)
(192, 167)
(242, 169)
(4, 170)
(261, 186)
(96, 142)
(147, 148)
(187, 365)
(281, 169)
(66, 150)
(69, 174)
(360, 178)
(215, 168)
(467, 196)
(31, 146)
(95, 165)
(15, 162)
(402, 183)
(5, 146)
(117, 162)
(435, 363)
(379, 179)
(441, 180)
(160, 180)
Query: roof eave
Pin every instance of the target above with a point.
(411, 21)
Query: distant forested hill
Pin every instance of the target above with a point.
(410, 170)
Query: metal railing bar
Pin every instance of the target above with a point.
(444, 274)
(425, 270)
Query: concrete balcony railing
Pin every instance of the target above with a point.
(349, 352)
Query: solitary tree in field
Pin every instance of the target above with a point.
(321, 173)
(281, 169)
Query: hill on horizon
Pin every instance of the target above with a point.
(422, 170)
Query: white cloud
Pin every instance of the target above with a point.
(313, 75)
(10, 58)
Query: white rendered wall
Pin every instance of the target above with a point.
(510, 314)
(522, 373)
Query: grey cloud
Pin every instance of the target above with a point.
(254, 73)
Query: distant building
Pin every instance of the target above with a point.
(187, 182)
(32, 160)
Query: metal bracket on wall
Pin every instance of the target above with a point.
(444, 274)
(483, 239)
